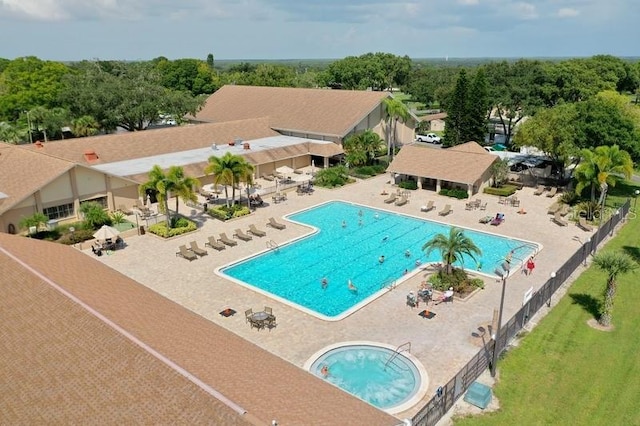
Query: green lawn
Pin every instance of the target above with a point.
(565, 372)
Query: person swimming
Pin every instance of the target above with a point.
(352, 287)
(381, 259)
(385, 238)
(407, 253)
(324, 282)
(324, 371)
(344, 223)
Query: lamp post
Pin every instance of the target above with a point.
(503, 274)
(612, 225)
(29, 124)
(635, 201)
(552, 275)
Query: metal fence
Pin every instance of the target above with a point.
(447, 395)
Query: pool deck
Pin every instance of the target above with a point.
(443, 344)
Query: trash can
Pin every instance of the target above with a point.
(142, 230)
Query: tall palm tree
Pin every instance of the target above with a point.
(614, 264)
(229, 170)
(452, 247)
(396, 111)
(604, 165)
(84, 126)
(174, 182)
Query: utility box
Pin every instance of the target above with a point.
(478, 395)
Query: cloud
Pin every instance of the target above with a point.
(567, 12)
(469, 2)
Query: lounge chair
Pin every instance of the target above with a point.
(498, 219)
(226, 240)
(552, 192)
(270, 178)
(446, 210)
(557, 219)
(539, 190)
(197, 250)
(185, 253)
(485, 219)
(582, 224)
(564, 210)
(277, 225)
(428, 207)
(255, 231)
(554, 208)
(244, 237)
(214, 244)
(391, 198)
(402, 201)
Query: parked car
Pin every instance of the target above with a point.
(429, 137)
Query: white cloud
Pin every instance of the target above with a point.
(45, 10)
(468, 2)
(525, 11)
(567, 12)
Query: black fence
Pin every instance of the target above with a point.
(447, 395)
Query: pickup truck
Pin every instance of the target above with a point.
(429, 137)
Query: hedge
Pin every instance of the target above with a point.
(504, 190)
(454, 193)
(408, 184)
(224, 213)
(182, 226)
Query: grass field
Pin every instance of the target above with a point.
(567, 373)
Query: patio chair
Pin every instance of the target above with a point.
(185, 253)
(469, 206)
(582, 224)
(446, 210)
(270, 322)
(226, 240)
(554, 208)
(196, 249)
(214, 244)
(244, 237)
(552, 192)
(428, 207)
(255, 231)
(268, 310)
(247, 314)
(391, 198)
(483, 206)
(539, 190)
(277, 225)
(558, 220)
(402, 201)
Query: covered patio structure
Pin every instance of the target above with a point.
(466, 167)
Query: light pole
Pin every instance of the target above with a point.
(29, 124)
(635, 201)
(553, 276)
(503, 273)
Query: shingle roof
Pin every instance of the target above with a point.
(314, 111)
(464, 163)
(131, 145)
(18, 178)
(62, 364)
(431, 117)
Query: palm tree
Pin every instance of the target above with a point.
(361, 148)
(452, 247)
(84, 126)
(229, 170)
(613, 264)
(396, 111)
(175, 183)
(604, 166)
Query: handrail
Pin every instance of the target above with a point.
(272, 245)
(397, 352)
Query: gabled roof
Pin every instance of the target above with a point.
(132, 145)
(463, 164)
(431, 117)
(23, 172)
(83, 342)
(315, 111)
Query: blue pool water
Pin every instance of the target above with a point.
(294, 271)
(371, 373)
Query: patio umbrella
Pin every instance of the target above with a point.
(285, 170)
(106, 232)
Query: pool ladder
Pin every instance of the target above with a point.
(402, 348)
(272, 245)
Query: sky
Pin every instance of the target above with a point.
(69, 30)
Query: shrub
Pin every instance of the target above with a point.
(587, 209)
(569, 197)
(225, 213)
(181, 226)
(94, 215)
(504, 190)
(76, 236)
(118, 217)
(458, 279)
(408, 184)
(460, 194)
(37, 219)
(332, 177)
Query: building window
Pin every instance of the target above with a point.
(59, 212)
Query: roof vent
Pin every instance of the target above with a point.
(90, 156)
(39, 144)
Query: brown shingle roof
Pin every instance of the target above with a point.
(314, 111)
(465, 164)
(131, 145)
(66, 366)
(431, 117)
(18, 178)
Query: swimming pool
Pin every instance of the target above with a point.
(373, 372)
(293, 272)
